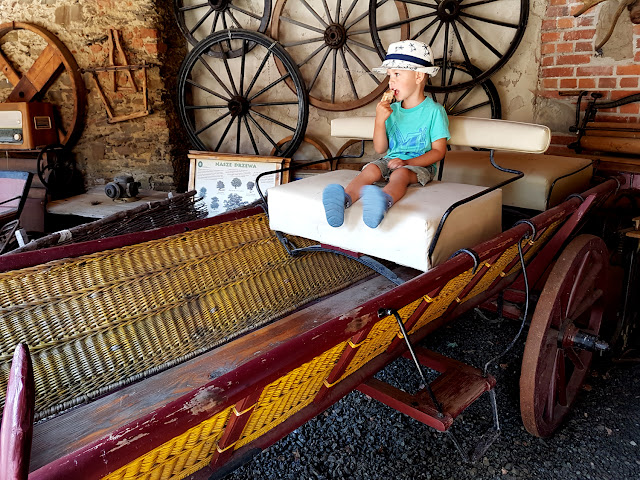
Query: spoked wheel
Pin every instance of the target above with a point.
(55, 168)
(479, 100)
(197, 19)
(308, 153)
(563, 335)
(241, 105)
(485, 32)
(334, 49)
(54, 75)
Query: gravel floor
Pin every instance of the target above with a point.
(358, 438)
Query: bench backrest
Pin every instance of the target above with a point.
(465, 132)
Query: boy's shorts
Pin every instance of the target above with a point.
(424, 174)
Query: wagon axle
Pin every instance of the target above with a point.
(571, 336)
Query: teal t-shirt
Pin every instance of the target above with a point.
(411, 131)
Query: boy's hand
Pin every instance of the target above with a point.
(395, 163)
(383, 111)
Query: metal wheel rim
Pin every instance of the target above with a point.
(315, 143)
(332, 27)
(452, 15)
(454, 102)
(223, 17)
(76, 122)
(187, 108)
(553, 374)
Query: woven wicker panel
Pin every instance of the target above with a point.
(379, 338)
(180, 456)
(100, 321)
(289, 394)
(551, 229)
(441, 302)
(493, 272)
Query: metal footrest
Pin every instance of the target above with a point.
(458, 386)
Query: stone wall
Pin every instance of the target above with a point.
(150, 148)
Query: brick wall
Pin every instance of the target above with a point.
(569, 64)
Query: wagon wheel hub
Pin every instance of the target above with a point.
(448, 10)
(219, 5)
(335, 36)
(570, 337)
(238, 106)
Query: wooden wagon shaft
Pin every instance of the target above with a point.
(611, 144)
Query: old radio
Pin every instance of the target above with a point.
(27, 125)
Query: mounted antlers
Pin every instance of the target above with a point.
(634, 13)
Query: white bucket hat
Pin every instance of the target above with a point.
(409, 55)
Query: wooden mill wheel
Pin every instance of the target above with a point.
(54, 61)
(563, 335)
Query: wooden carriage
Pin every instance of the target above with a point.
(193, 347)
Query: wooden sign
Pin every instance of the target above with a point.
(228, 181)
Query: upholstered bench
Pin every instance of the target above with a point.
(547, 181)
(413, 233)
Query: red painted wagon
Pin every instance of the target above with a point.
(142, 362)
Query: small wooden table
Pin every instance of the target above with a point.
(96, 204)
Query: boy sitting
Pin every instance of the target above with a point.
(413, 132)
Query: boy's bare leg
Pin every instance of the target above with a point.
(399, 181)
(369, 175)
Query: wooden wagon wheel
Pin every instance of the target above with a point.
(478, 100)
(316, 144)
(212, 96)
(334, 49)
(34, 84)
(563, 335)
(197, 19)
(485, 32)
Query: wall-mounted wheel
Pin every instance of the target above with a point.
(241, 105)
(479, 100)
(53, 77)
(563, 335)
(334, 49)
(197, 19)
(483, 33)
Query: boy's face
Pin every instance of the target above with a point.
(404, 83)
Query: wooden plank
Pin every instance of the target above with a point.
(96, 204)
(613, 129)
(611, 144)
(66, 433)
(12, 75)
(38, 77)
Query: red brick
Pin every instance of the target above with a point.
(558, 2)
(607, 82)
(557, 72)
(629, 82)
(579, 34)
(575, 8)
(619, 94)
(550, 24)
(564, 47)
(628, 70)
(636, 57)
(550, 83)
(585, 21)
(548, 61)
(636, 29)
(95, 48)
(631, 108)
(573, 59)
(547, 48)
(562, 139)
(558, 11)
(148, 33)
(584, 47)
(594, 71)
(568, 83)
(137, 42)
(547, 37)
(566, 22)
(586, 83)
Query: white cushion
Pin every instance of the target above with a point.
(545, 176)
(405, 234)
(465, 132)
